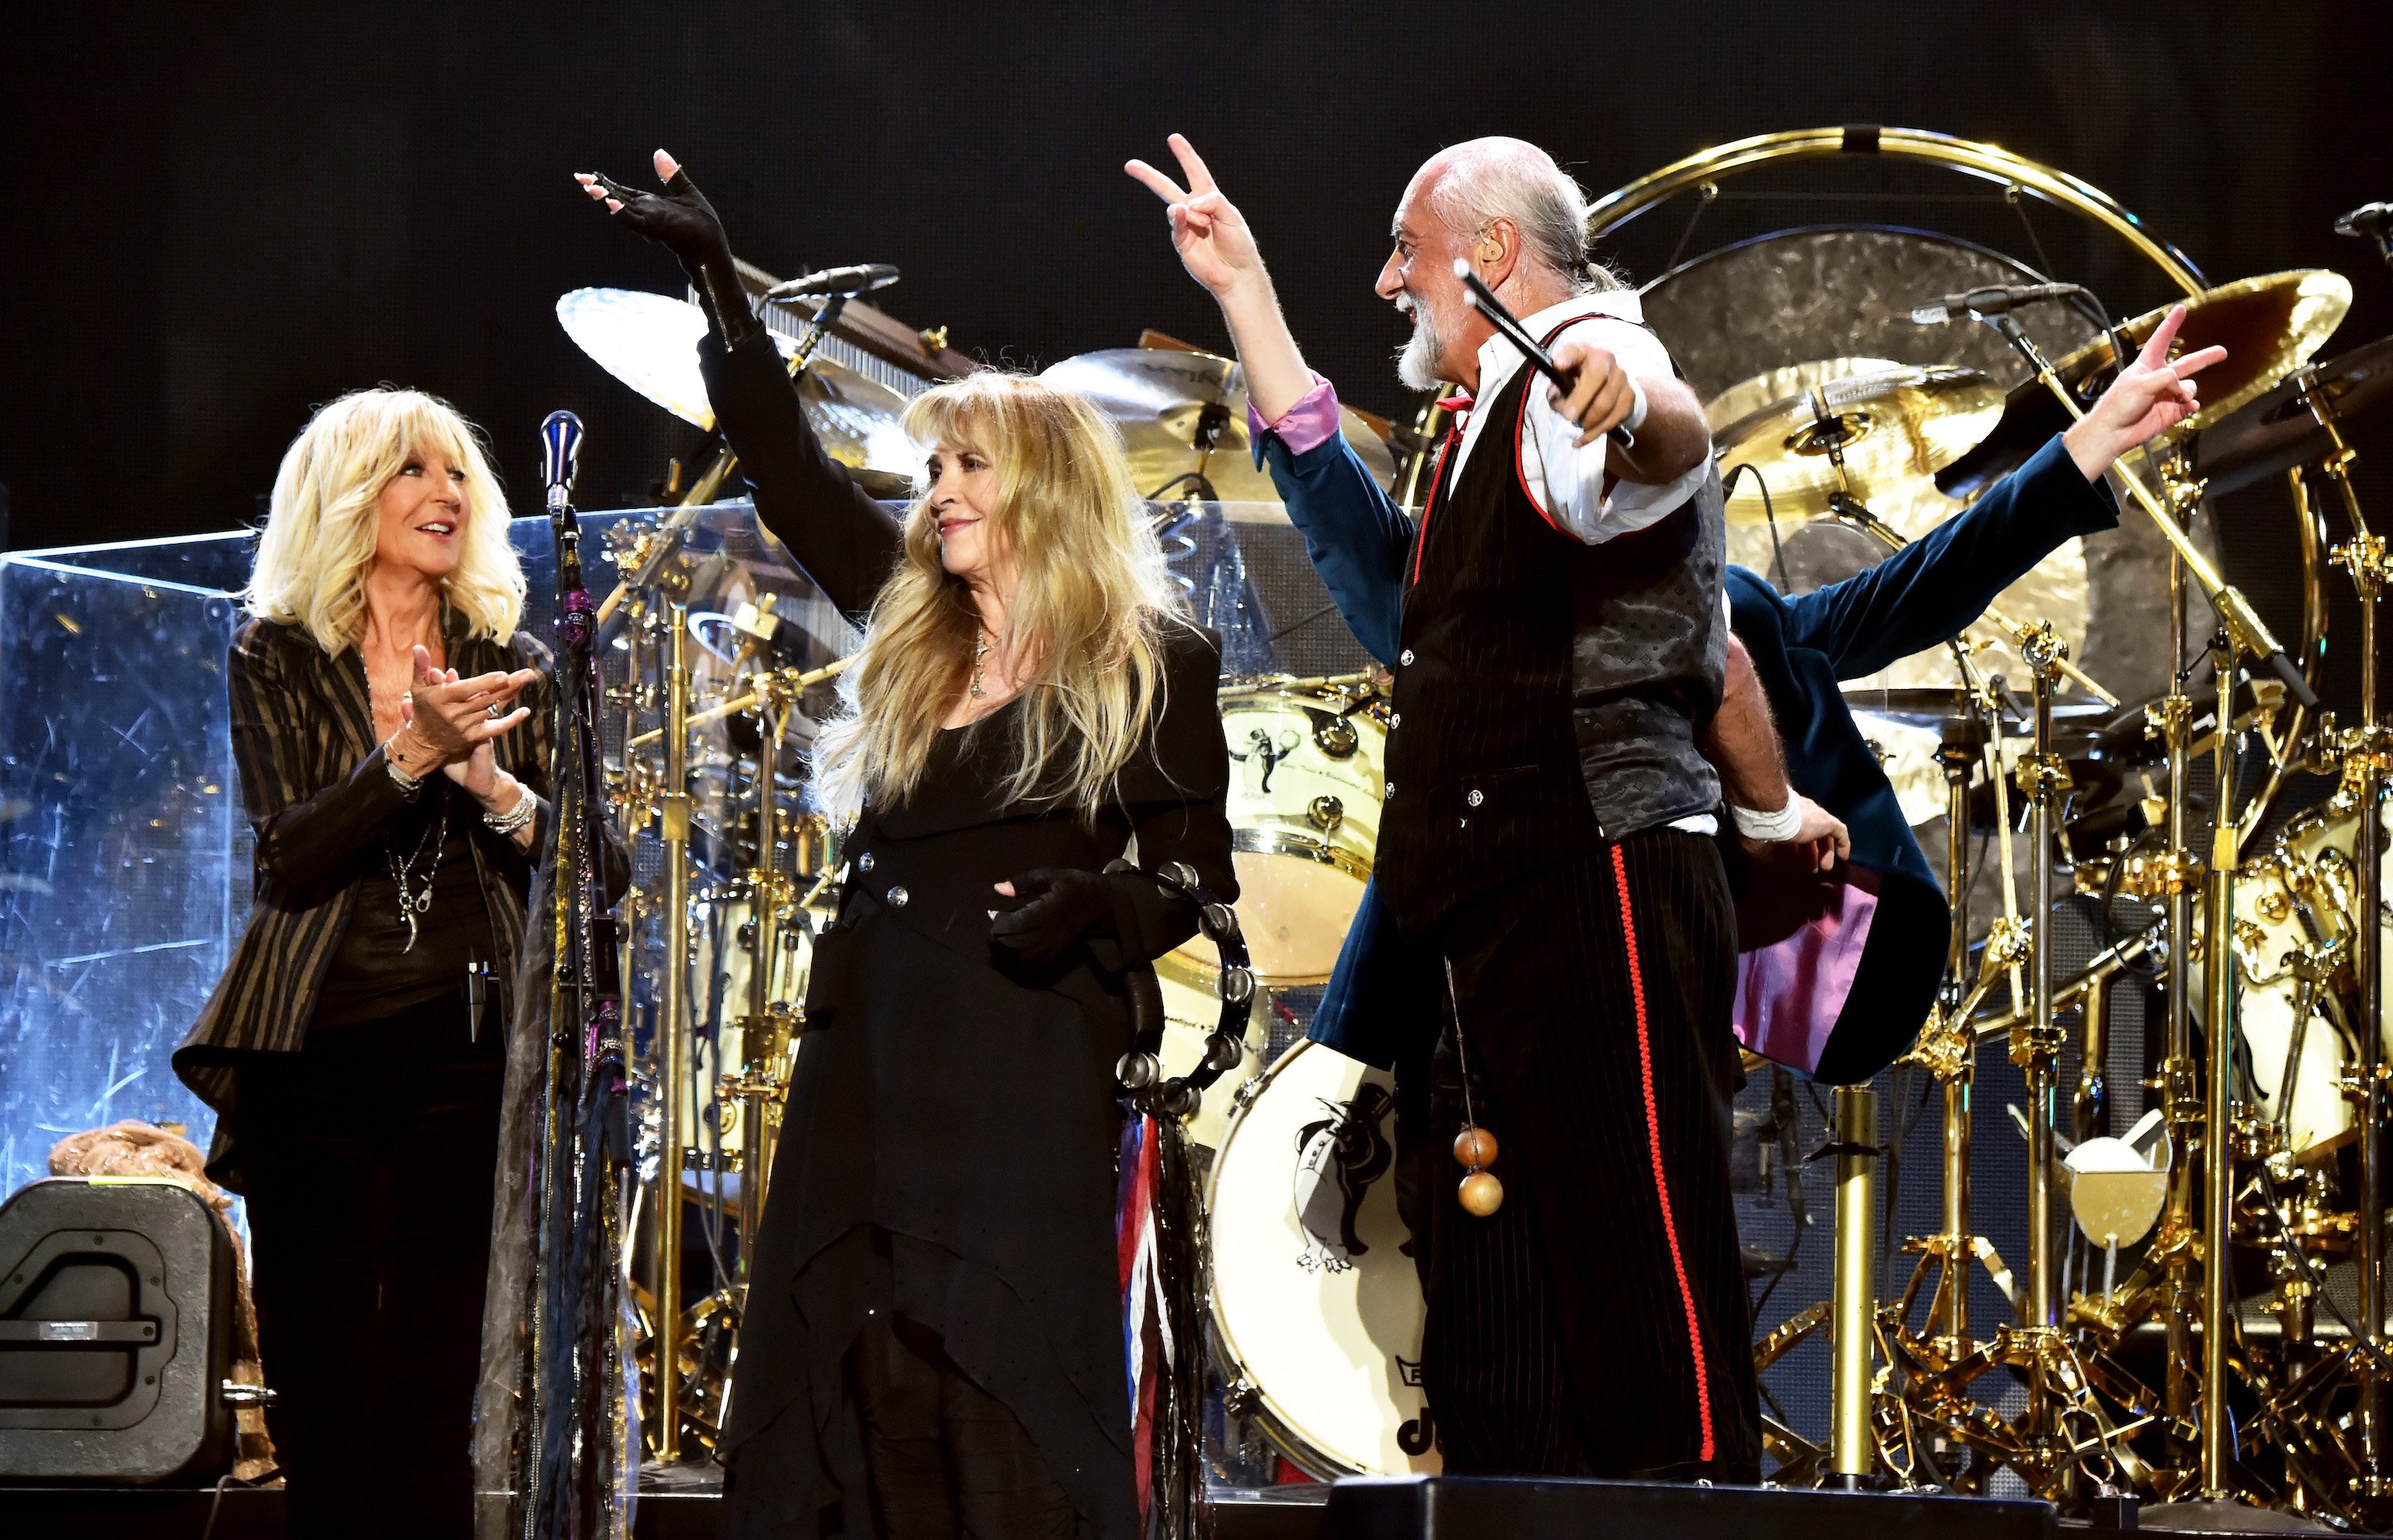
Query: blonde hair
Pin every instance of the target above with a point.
(1080, 631)
(320, 527)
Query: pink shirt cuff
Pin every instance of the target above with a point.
(1310, 423)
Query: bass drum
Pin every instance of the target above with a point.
(1316, 1308)
(1307, 777)
(2302, 897)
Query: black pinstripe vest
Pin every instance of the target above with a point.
(1549, 692)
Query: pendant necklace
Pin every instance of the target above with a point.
(980, 660)
(411, 903)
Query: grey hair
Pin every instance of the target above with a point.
(1505, 179)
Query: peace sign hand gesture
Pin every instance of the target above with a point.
(1207, 228)
(2150, 396)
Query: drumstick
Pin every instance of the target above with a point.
(1483, 300)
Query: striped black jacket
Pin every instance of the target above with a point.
(313, 781)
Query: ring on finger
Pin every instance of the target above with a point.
(494, 710)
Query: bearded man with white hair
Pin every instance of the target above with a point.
(1549, 822)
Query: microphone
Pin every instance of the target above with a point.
(2371, 221)
(1994, 299)
(847, 282)
(560, 457)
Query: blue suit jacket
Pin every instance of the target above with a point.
(1382, 1000)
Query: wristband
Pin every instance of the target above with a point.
(1769, 829)
(1636, 418)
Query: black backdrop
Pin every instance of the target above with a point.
(219, 216)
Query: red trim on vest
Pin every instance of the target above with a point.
(1519, 473)
(1654, 1147)
(1437, 483)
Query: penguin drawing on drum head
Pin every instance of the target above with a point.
(1338, 1158)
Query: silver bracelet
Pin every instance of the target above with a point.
(408, 784)
(526, 807)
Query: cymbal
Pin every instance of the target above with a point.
(650, 342)
(2269, 325)
(1931, 706)
(2277, 432)
(1894, 424)
(1186, 413)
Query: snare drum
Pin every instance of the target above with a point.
(1307, 779)
(1316, 1306)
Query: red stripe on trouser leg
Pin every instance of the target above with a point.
(1654, 1145)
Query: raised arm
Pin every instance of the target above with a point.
(1356, 534)
(1219, 253)
(1928, 591)
(846, 541)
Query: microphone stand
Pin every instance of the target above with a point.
(583, 1382)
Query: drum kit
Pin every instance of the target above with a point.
(2259, 1166)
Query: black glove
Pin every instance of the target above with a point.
(1056, 909)
(681, 220)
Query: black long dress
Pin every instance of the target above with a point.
(948, 1162)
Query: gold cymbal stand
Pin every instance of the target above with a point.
(1940, 1359)
(670, 1037)
(2364, 756)
(2035, 1342)
(2218, 1155)
(765, 1027)
(2179, 1083)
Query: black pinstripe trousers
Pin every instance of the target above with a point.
(1596, 1325)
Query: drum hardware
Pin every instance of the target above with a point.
(1853, 511)
(1853, 1450)
(2056, 1380)
(1183, 417)
(2271, 325)
(671, 1033)
(766, 1028)
(2281, 431)
(787, 682)
(1303, 806)
(1849, 427)
(2312, 310)
(650, 342)
(2218, 1186)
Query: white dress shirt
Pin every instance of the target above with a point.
(1565, 481)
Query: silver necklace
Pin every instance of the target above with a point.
(411, 903)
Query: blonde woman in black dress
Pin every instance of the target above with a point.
(933, 1341)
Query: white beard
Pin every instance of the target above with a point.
(1417, 360)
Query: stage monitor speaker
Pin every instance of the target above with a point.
(1499, 1508)
(116, 1311)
